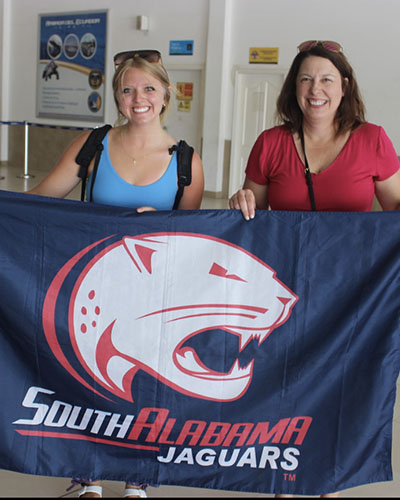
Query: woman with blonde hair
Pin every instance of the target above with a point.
(137, 168)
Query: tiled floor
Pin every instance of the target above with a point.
(26, 486)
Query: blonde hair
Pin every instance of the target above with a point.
(155, 69)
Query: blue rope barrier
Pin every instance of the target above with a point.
(12, 123)
(65, 127)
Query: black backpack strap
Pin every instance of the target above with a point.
(99, 150)
(92, 146)
(184, 159)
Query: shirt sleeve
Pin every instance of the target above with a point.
(255, 169)
(387, 160)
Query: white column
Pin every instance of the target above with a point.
(5, 38)
(216, 92)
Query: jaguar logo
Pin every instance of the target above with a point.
(148, 302)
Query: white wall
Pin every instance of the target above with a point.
(367, 29)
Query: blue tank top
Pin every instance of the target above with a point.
(110, 189)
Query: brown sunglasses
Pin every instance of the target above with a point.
(326, 44)
(152, 56)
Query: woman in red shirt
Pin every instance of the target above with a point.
(324, 156)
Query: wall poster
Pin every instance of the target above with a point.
(71, 65)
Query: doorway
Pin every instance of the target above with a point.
(185, 116)
(255, 95)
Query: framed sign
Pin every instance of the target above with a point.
(71, 65)
(181, 47)
(184, 91)
(263, 55)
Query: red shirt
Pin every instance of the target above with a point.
(348, 184)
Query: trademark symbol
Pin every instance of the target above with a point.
(289, 477)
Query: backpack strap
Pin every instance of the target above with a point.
(184, 159)
(93, 146)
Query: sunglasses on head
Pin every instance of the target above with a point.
(326, 44)
(152, 56)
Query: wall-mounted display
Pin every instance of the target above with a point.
(71, 65)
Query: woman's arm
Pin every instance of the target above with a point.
(250, 197)
(193, 194)
(388, 192)
(64, 176)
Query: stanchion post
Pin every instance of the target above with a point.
(2, 176)
(26, 174)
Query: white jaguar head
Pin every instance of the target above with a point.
(146, 302)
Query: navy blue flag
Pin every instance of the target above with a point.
(194, 348)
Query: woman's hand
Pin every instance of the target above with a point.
(245, 201)
(249, 198)
(140, 210)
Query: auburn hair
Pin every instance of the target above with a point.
(351, 111)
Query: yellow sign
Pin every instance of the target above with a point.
(263, 55)
(184, 91)
(184, 106)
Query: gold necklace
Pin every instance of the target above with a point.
(131, 157)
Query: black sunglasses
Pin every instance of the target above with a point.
(152, 56)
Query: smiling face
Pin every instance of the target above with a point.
(319, 89)
(141, 96)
